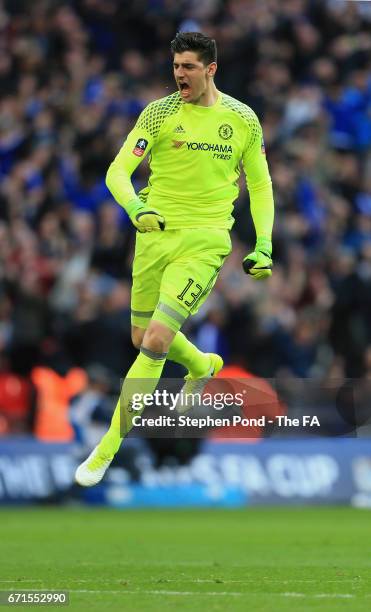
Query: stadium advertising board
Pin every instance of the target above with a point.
(221, 474)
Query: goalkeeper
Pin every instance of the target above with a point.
(196, 138)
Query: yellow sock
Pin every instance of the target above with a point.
(142, 377)
(187, 354)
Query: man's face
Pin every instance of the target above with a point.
(191, 75)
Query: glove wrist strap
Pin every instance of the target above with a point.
(134, 206)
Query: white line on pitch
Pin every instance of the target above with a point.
(162, 592)
(181, 580)
(213, 593)
(179, 593)
(210, 580)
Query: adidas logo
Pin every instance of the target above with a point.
(179, 130)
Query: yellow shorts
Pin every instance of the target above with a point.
(173, 273)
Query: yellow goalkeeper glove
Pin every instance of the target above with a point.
(143, 218)
(259, 263)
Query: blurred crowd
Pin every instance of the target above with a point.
(74, 76)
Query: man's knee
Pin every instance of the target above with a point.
(137, 334)
(158, 337)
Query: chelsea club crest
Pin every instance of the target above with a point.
(225, 131)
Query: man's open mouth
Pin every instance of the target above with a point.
(184, 87)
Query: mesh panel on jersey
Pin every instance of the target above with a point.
(247, 114)
(155, 114)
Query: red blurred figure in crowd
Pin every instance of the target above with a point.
(259, 400)
(17, 396)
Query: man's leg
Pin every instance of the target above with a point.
(181, 351)
(142, 378)
(184, 286)
(188, 355)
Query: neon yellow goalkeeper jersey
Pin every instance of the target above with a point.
(195, 154)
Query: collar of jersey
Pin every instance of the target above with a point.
(203, 109)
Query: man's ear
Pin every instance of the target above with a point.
(211, 69)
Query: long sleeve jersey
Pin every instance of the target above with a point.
(195, 156)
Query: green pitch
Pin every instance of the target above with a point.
(253, 559)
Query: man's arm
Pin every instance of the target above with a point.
(259, 184)
(118, 180)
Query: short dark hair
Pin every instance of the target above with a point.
(204, 46)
